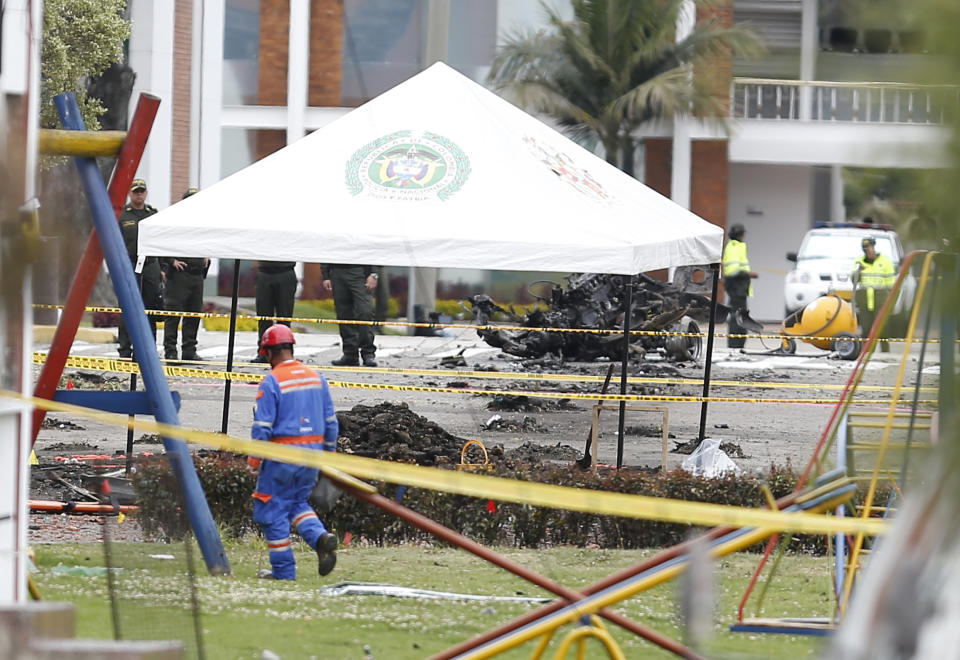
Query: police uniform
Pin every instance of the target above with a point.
(736, 278)
(276, 289)
(353, 302)
(294, 407)
(876, 278)
(183, 293)
(149, 279)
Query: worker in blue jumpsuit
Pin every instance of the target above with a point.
(293, 407)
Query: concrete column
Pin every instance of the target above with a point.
(680, 170)
(838, 212)
(196, 65)
(422, 282)
(437, 42)
(211, 94)
(20, 89)
(298, 68)
(809, 46)
(151, 58)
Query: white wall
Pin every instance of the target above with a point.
(151, 58)
(774, 203)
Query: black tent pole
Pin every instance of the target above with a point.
(623, 370)
(715, 272)
(233, 332)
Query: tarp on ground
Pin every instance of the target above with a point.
(436, 172)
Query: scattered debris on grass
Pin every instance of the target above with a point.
(54, 423)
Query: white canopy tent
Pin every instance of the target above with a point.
(436, 172)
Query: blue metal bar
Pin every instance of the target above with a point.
(144, 343)
(126, 403)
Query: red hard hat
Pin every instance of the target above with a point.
(274, 336)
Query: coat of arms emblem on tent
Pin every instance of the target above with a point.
(408, 166)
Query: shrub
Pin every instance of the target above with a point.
(228, 487)
(224, 479)
(220, 324)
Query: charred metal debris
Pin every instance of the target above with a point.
(594, 301)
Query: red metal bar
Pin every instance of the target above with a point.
(483, 552)
(627, 573)
(86, 274)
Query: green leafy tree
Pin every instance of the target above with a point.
(617, 65)
(81, 38)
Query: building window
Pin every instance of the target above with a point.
(241, 45)
(383, 45)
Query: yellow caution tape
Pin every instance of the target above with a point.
(468, 326)
(127, 366)
(497, 488)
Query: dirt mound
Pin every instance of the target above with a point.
(394, 432)
(530, 452)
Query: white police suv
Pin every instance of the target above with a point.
(826, 259)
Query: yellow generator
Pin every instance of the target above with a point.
(829, 323)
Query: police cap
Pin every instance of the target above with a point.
(869, 240)
(137, 185)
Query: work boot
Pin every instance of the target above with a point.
(368, 361)
(191, 357)
(126, 355)
(260, 359)
(327, 552)
(170, 355)
(345, 361)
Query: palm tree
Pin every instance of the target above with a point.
(616, 65)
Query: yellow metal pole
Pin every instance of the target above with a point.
(88, 144)
(580, 635)
(885, 437)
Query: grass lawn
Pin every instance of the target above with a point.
(242, 616)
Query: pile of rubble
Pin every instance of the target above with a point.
(392, 431)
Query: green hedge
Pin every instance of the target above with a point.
(228, 487)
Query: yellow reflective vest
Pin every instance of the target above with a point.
(878, 275)
(735, 261)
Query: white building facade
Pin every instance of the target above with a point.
(262, 73)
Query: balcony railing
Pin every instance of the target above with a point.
(884, 103)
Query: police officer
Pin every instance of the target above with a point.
(293, 407)
(184, 293)
(736, 277)
(874, 274)
(352, 288)
(150, 279)
(276, 289)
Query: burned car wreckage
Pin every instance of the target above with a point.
(593, 301)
